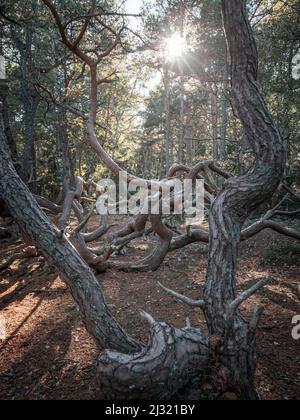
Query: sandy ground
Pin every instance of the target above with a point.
(49, 355)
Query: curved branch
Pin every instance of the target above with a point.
(99, 232)
(292, 192)
(177, 168)
(153, 261)
(150, 375)
(46, 204)
(72, 47)
(269, 224)
(71, 195)
(286, 213)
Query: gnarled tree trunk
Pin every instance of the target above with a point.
(240, 197)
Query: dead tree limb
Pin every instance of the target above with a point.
(99, 232)
(182, 298)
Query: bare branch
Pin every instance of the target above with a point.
(177, 168)
(86, 24)
(72, 47)
(182, 298)
(269, 224)
(246, 295)
(65, 106)
(85, 220)
(148, 318)
(292, 192)
(257, 314)
(99, 232)
(46, 204)
(273, 212)
(286, 213)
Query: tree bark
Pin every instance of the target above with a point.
(172, 358)
(181, 122)
(4, 91)
(214, 124)
(236, 352)
(168, 139)
(224, 115)
(30, 102)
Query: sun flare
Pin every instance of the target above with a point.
(175, 46)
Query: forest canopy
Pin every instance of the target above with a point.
(158, 51)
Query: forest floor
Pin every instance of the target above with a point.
(49, 355)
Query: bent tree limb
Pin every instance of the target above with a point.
(172, 358)
(154, 260)
(61, 254)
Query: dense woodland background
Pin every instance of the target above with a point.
(145, 96)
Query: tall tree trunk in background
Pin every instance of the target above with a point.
(214, 123)
(182, 100)
(181, 122)
(168, 139)
(30, 101)
(224, 115)
(69, 178)
(241, 196)
(4, 91)
(190, 146)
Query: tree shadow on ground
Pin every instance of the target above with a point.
(44, 365)
(38, 281)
